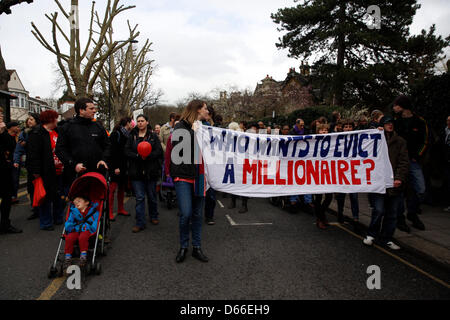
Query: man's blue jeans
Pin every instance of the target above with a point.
(210, 203)
(307, 198)
(340, 197)
(144, 188)
(15, 179)
(384, 216)
(416, 187)
(191, 208)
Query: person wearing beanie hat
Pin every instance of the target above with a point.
(20, 158)
(414, 130)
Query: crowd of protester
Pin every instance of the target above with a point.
(59, 152)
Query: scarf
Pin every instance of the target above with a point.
(125, 132)
(299, 131)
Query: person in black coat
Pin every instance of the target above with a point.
(83, 145)
(42, 162)
(144, 172)
(7, 146)
(118, 166)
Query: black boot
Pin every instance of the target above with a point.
(340, 218)
(233, 203)
(198, 254)
(416, 223)
(402, 226)
(181, 255)
(34, 215)
(10, 229)
(244, 208)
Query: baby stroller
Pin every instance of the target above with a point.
(93, 186)
(167, 191)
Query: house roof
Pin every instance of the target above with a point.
(11, 72)
(37, 100)
(8, 94)
(69, 114)
(294, 75)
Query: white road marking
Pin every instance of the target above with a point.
(220, 204)
(230, 220)
(233, 223)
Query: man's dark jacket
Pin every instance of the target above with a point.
(415, 131)
(118, 141)
(84, 141)
(7, 147)
(151, 167)
(40, 160)
(398, 156)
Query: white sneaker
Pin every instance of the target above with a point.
(368, 240)
(392, 246)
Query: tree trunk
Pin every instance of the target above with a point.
(4, 74)
(339, 86)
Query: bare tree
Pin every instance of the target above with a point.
(183, 102)
(125, 79)
(234, 104)
(81, 66)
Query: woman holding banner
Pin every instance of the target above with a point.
(188, 176)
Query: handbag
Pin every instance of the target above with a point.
(39, 192)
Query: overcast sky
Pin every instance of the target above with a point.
(198, 44)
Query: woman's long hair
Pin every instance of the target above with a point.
(122, 123)
(190, 113)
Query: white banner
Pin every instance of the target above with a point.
(261, 165)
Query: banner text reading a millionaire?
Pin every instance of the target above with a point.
(259, 165)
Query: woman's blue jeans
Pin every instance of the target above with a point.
(191, 208)
(144, 188)
(52, 210)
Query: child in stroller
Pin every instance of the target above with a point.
(81, 225)
(85, 225)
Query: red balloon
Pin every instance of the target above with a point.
(144, 149)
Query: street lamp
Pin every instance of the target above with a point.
(109, 84)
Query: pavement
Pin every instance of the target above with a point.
(266, 253)
(433, 243)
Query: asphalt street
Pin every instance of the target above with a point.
(266, 253)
